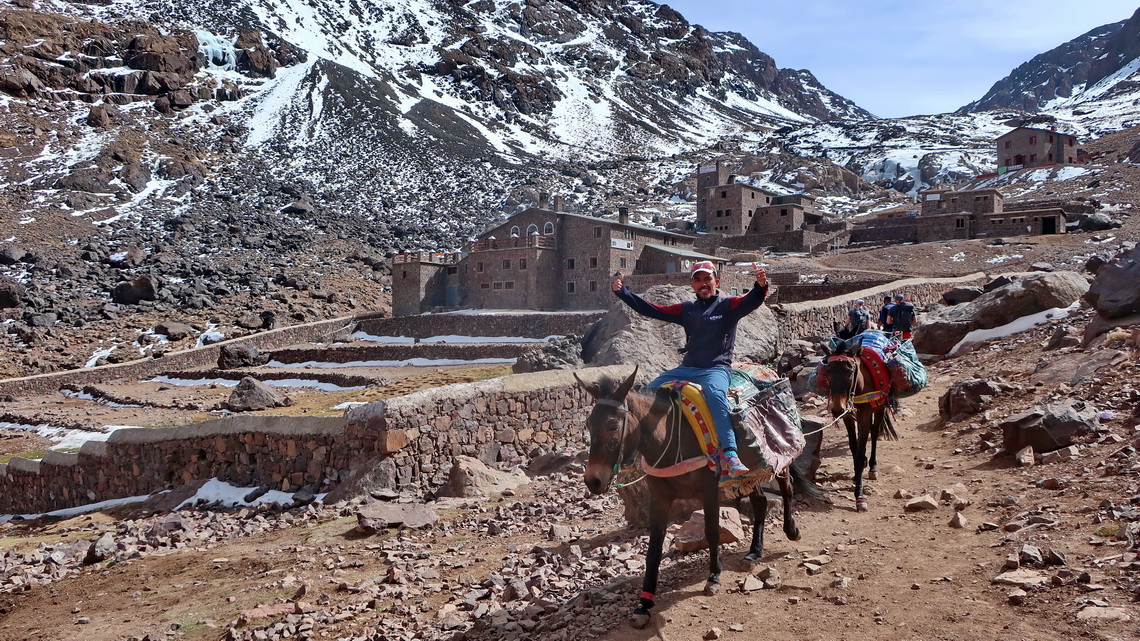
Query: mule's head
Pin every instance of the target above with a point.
(842, 372)
(611, 428)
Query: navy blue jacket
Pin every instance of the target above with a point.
(710, 326)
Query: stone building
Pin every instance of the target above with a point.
(542, 259)
(946, 214)
(1030, 146)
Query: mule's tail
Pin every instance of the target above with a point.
(887, 427)
(804, 486)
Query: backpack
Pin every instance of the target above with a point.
(903, 316)
(859, 319)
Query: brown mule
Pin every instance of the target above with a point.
(850, 379)
(622, 424)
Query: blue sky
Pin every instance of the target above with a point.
(899, 59)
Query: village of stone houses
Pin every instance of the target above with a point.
(352, 433)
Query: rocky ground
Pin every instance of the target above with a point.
(549, 560)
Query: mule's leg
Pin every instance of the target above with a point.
(790, 528)
(658, 519)
(710, 497)
(857, 463)
(876, 423)
(759, 517)
(864, 432)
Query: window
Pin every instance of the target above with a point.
(515, 231)
(637, 264)
(532, 230)
(498, 285)
(1050, 137)
(724, 194)
(510, 284)
(507, 263)
(750, 213)
(569, 263)
(1072, 141)
(484, 285)
(452, 270)
(593, 262)
(783, 212)
(569, 287)
(1032, 157)
(522, 263)
(405, 273)
(621, 262)
(548, 229)
(479, 266)
(1033, 140)
(727, 213)
(597, 232)
(593, 285)
(1050, 156)
(1008, 144)
(960, 223)
(719, 213)
(753, 195)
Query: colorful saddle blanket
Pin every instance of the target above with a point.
(764, 415)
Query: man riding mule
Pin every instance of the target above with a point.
(623, 424)
(710, 337)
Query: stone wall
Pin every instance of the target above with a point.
(182, 360)
(526, 325)
(409, 440)
(402, 351)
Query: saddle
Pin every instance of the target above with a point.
(872, 357)
(764, 417)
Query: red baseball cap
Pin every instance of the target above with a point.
(704, 266)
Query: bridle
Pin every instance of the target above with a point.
(624, 409)
(671, 432)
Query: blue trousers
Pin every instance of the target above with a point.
(715, 382)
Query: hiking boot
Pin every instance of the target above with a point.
(731, 469)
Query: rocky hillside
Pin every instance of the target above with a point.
(1064, 71)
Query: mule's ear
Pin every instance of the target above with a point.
(592, 390)
(627, 385)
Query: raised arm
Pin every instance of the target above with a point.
(742, 306)
(667, 313)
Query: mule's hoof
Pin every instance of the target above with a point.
(793, 535)
(712, 588)
(861, 505)
(872, 475)
(639, 620)
(753, 557)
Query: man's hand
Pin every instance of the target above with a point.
(761, 275)
(617, 284)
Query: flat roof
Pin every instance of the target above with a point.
(682, 252)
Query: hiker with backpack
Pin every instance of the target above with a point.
(902, 316)
(884, 313)
(858, 318)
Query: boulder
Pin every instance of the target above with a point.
(174, 330)
(1113, 292)
(690, 536)
(1077, 366)
(960, 295)
(1064, 336)
(136, 291)
(968, 397)
(11, 292)
(1048, 427)
(1021, 295)
(12, 254)
(128, 258)
(563, 353)
(101, 549)
(241, 355)
(374, 517)
(252, 395)
(471, 477)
